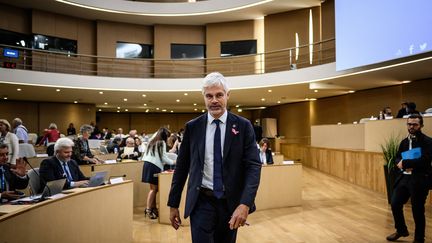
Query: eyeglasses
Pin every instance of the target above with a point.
(413, 124)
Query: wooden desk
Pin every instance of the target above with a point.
(89, 215)
(280, 186)
(133, 172)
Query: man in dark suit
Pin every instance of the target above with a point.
(220, 155)
(413, 181)
(12, 177)
(62, 166)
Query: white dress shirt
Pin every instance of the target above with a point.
(207, 180)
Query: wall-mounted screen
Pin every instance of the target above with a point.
(57, 44)
(371, 31)
(238, 48)
(14, 39)
(133, 50)
(188, 51)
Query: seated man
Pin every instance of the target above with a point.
(62, 166)
(11, 177)
(20, 130)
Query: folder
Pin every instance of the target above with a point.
(414, 153)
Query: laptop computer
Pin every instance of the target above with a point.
(53, 187)
(97, 178)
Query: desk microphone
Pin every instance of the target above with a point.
(40, 179)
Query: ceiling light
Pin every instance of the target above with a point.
(262, 99)
(164, 110)
(202, 111)
(177, 100)
(75, 101)
(406, 81)
(195, 104)
(269, 90)
(147, 110)
(351, 91)
(157, 108)
(316, 91)
(58, 90)
(239, 110)
(118, 107)
(100, 109)
(186, 94)
(145, 104)
(5, 98)
(124, 99)
(171, 111)
(144, 95)
(262, 107)
(278, 102)
(106, 103)
(306, 98)
(100, 92)
(118, 111)
(312, 99)
(237, 106)
(19, 89)
(126, 110)
(195, 109)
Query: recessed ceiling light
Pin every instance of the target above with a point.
(202, 111)
(57, 90)
(145, 104)
(100, 92)
(118, 111)
(316, 91)
(100, 109)
(124, 99)
(19, 89)
(262, 107)
(5, 98)
(262, 99)
(157, 108)
(164, 110)
(278, 102)
(306, 98)
(406, 81)
(312, 99)
(75, 101)
(186, 94)
(351, 91)
(269, 90)
(147, 110)
(195, 104)
(106, 103)
(237, 106)
(177, 100)
(171, 111)
(239, 110)
(144, 95)
(195, 109)
(118, 107)
(126, 110)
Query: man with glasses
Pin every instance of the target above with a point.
(413, 180)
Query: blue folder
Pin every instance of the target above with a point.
(414, 153)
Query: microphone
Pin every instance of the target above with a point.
(40, 180)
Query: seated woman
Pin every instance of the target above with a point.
(130, 151)
(51, 135)
(81, 151)
(265, 153)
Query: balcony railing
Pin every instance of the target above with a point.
(272, 61)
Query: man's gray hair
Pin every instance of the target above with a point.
(214, 79)
(18, 121)
(86, 128)
(52, 126)
(63, 143)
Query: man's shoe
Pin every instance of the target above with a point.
(395, 236)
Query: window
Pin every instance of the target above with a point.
(133, 50)
(190, 51)
(14, 39)
(238, 48)
(50, 43)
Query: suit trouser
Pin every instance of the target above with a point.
(401, 193)
(209, 221)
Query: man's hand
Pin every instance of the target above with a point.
(239, 216)
(399, 165)
(175, 218)
(81, 183)
(11, 195)
(20, 168)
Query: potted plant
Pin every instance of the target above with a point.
(390, 149)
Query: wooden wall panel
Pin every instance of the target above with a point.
(15, 19)
(27, 111)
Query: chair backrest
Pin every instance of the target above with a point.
(26, 150)
(103, 149)
(428, 110)
(34, 180)
(32, 137)
(50, 150)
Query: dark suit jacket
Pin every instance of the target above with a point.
(51, 169)
(422, 166)
(14, 181)
(241, 164)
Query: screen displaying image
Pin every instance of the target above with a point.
(50, 43)
(133, 50)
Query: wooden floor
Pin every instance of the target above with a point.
(332, 211)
